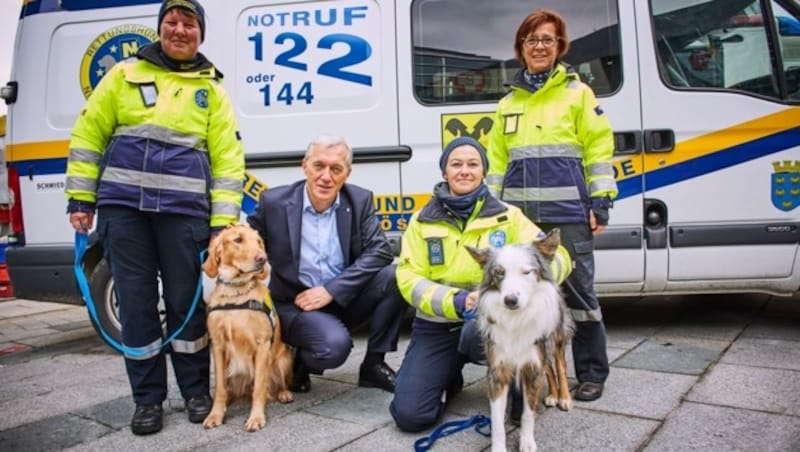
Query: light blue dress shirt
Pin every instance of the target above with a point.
(321, 257)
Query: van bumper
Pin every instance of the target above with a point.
(44, 273)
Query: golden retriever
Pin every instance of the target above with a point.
(249, 356)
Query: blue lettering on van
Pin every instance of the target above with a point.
(320, 17)
(359, 51)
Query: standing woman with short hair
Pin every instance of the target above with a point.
(156, 152)
(550, 151)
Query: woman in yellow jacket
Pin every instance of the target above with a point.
(156, 152)
(439, 278)
(550, 148)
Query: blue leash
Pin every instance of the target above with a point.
(448, 428)
(80, 249)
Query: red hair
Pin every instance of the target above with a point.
(532, 22)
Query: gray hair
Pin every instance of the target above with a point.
(329, 141)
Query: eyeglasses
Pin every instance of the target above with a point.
(547, 41)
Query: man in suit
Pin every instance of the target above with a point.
(331, 267)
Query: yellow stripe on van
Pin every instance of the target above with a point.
(37, 150)
(633, 166)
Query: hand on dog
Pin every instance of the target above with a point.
(472, 301)
(313, 299)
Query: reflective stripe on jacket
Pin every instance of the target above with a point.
(550, 150)
(159, 141)
(434, 264)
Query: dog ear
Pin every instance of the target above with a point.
(548, 245)
(480, 256)
(211, 265)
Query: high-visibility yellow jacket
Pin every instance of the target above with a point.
(159, 141)
(550, 150)
(434, 265)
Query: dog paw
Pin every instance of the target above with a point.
(527, 445)
(213, 419)
(550, 401)
(255, 422)
(565, 404)
(285, 396)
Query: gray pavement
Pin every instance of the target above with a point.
(710, 373)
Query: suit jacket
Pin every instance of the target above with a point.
(365, 247)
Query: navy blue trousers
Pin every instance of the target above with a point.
(432, 362)
(589, 342)
(138, 247)
(323, 338)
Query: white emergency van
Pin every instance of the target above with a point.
(704, 96)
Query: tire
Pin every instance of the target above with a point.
(101, 286)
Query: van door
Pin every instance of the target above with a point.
(299, 69)
(721, 141)
(451, 75)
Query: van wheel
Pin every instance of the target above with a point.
(101, 286)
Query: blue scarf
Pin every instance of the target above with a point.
(460, 206)
(536, 81)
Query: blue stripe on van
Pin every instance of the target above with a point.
(48, 6)
(40, 167)
(734, 155)
(716, 161)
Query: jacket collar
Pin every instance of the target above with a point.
(562, 73)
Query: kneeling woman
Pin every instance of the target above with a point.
(439, 278)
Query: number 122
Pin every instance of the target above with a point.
(359, 51)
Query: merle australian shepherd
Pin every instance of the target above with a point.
(525, 324)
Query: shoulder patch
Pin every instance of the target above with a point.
(201, 98)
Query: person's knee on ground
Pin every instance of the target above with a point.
(410, 418)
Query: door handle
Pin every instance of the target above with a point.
(627, 142)
(659, 140)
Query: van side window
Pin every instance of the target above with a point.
(729, 45)
(463, 51)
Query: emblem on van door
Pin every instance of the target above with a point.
(108, 48)
(786, 184)
(475, 125)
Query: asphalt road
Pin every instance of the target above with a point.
(709, 373)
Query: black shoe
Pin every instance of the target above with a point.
(198, 408)
(301, 380)
(147, 419)
(515, 414)
(588, 391)
(377, 376)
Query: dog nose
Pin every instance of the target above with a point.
(261, 259)
(511, 301)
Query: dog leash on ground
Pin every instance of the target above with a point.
(448, 428)
(80, 249)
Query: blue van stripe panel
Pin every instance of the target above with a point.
(248, 205)
(40, 167)
(47, 6)
(629, 187)
(700, 166)
(726, 158)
